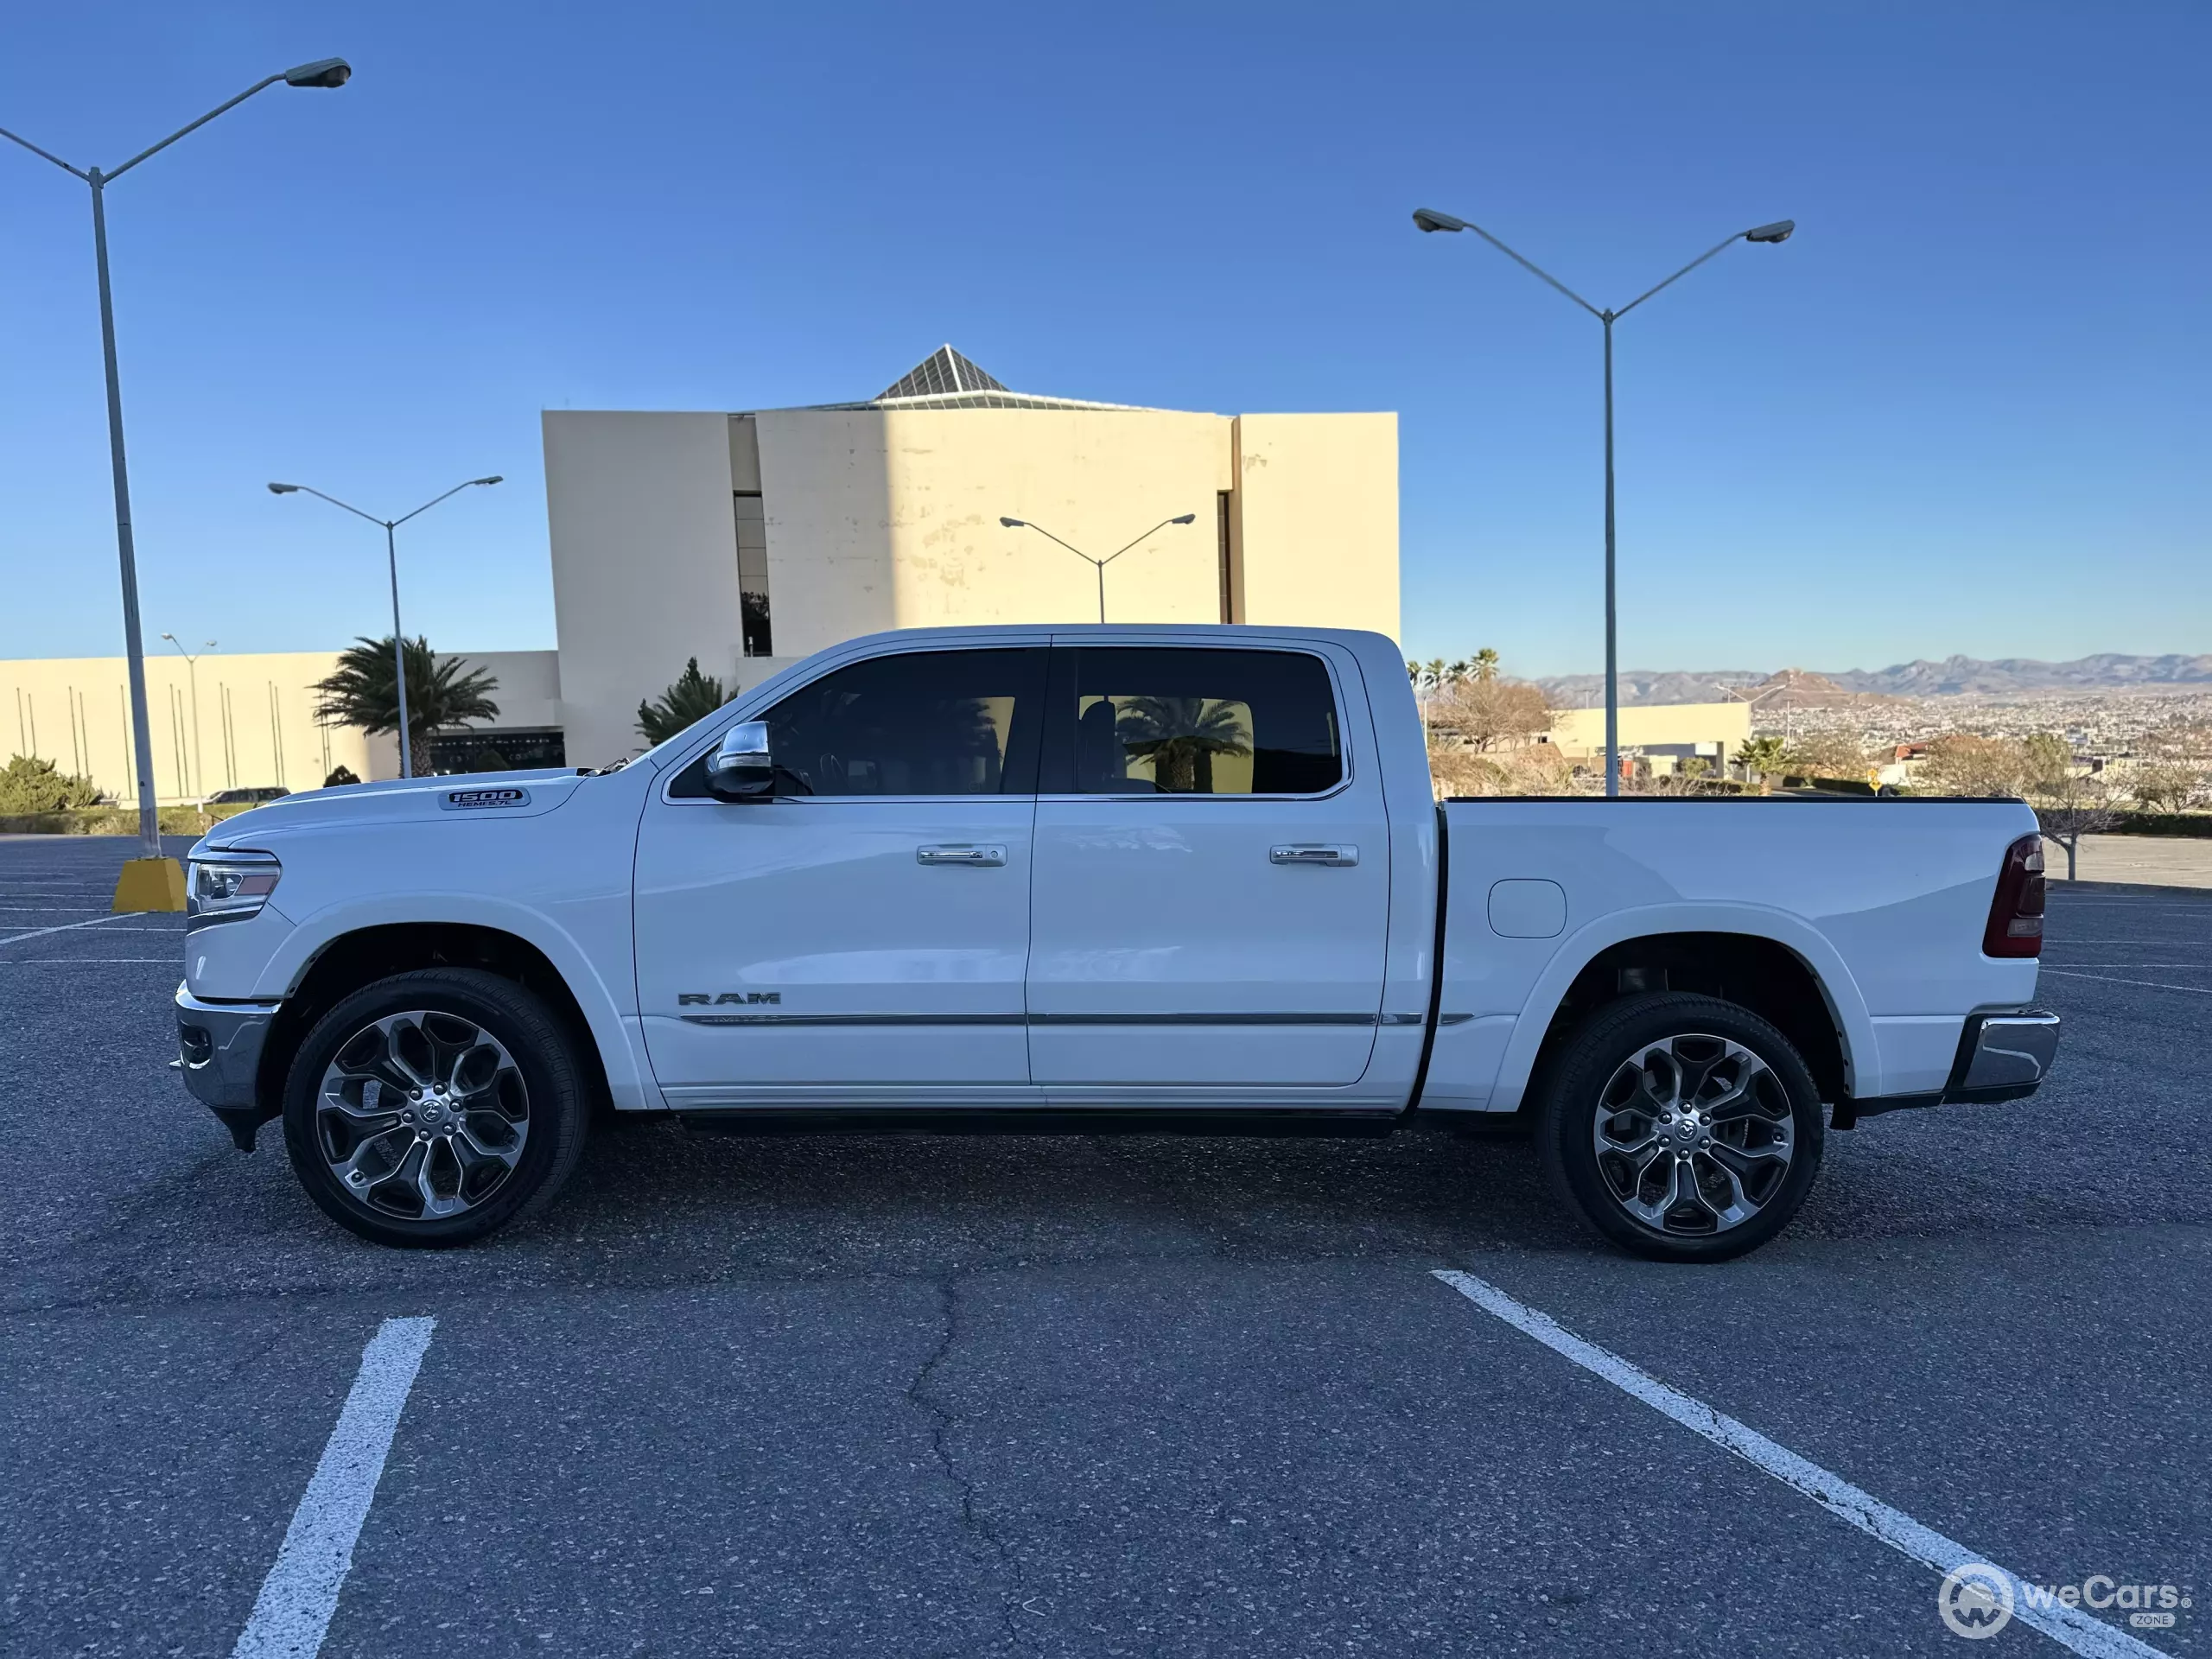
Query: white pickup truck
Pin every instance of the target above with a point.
(1097, 878)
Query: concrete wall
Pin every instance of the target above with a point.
(643, 547)
(1099, 479)
(1317, 505)
(255, 721)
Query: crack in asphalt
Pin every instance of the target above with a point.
(944, 1422)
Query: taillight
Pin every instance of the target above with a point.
(2016, 914)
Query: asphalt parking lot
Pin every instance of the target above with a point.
(1066, 1395)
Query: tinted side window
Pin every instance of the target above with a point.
(928, 722)
(1199, 722)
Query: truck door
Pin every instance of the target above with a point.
(863, 937)
(1212, 887)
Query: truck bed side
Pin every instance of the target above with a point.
(1882, 903)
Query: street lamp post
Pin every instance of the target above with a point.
(328, 73)
(1099, 564)
(391, 559)
(1428, 219)
(192, 674)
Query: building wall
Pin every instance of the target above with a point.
(255, 721)
(1582, 731)
(1317, 502)
(889, 518)
(1099, 479)
(644, 544)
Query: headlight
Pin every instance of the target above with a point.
(228, 887)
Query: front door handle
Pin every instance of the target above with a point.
(1334, 855)
(962, 853)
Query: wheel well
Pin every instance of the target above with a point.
(353, 960)
(1771, 979)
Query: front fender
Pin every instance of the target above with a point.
(604, 1005)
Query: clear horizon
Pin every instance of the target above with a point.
(1953, 415)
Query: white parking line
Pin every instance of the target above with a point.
(96, 921)
(2112, 979)
(2066, 1625)
(293, 1611)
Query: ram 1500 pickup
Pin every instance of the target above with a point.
(1097, 877)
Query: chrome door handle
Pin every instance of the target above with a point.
(976, 857)
(1332, 856)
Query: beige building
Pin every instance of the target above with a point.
(749, 539)
(1664, 734)
(230, 721)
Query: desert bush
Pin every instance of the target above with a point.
(29, 785)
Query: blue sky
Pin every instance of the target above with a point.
(1964, 409)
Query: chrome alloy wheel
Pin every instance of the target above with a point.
(1693, 1134)
(421, 1116)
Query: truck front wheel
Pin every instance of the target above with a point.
(1682, 1127)
(433, 1107)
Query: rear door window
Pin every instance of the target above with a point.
(1192, 721)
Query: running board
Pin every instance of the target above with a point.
(1016, 1120)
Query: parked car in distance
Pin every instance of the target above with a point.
(1097, 877)
(256, 795)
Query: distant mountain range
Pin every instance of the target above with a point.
(1953, 676)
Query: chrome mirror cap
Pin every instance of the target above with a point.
(741, 769)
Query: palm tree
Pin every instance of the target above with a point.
(1760, 757)
(1486, 665)
(694, 696)
(1181, 735)
(364, 690)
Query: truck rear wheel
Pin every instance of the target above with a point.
(1682, 1127)
(434, 1107)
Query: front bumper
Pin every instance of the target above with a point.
(218, 1053)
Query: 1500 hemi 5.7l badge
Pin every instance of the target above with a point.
(470, 800)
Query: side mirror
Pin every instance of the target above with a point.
(740, 769)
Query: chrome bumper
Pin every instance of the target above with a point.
(2002, 1056)
(219, 1054)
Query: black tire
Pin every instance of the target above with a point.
(545, 1097)
(1770, 1113)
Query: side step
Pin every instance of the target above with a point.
(1042, 1120)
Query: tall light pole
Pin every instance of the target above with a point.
(391, 558)
(1429, 219)
(191, 673)
(155, 883)
(1100, 564)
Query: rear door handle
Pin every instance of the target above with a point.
(962, 853)
(1332, 854)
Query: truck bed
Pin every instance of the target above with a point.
(1883, 899)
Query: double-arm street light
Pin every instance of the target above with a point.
(322, 72)
(1429, 219)
(391, 558)
(1100, 564)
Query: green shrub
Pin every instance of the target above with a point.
(2195, 824)
(31, 784)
